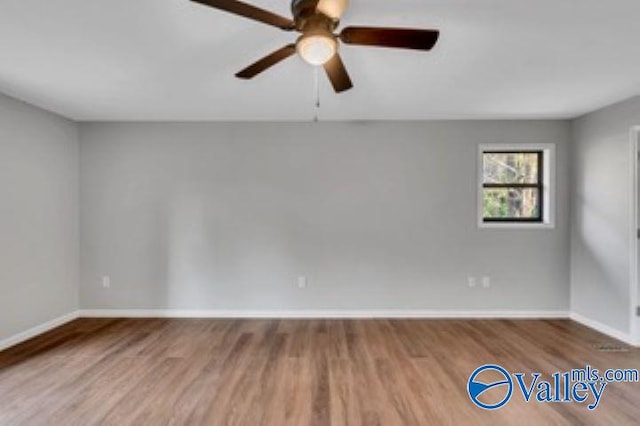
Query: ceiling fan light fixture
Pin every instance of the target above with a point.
(333, 8)
(317, 49)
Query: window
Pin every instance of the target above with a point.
(512, 183)
(514, 187)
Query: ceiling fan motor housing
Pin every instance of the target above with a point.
(299, 7)
(309, 20)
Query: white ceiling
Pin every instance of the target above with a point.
(176, 60)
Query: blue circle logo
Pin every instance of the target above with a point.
(484, 379)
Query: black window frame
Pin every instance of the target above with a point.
(539, 186)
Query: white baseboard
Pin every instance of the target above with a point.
(604, 329)
(37, 330)
(332, 314)
(310, 314)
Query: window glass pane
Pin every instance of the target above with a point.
(521, 167)
(511, 203)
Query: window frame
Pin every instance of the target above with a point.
(547, 186)
(539, 186)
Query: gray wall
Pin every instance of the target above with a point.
(377, 215)
(38, 217)
(601, 225)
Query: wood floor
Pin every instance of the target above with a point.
(317, 372)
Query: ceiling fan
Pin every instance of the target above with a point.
(318, 45)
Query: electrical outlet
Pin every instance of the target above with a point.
(486, 282)
(106, 282)
(472, 282)
(303, 282)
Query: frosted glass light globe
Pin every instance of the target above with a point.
(317, 49)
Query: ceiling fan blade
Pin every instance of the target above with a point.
(267, 62)
(251, 12)
(338, 74)
(403, 38)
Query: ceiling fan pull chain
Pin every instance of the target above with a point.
(317, 92)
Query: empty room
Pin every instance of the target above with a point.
(319, 212)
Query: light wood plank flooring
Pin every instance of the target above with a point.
(286, 372)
